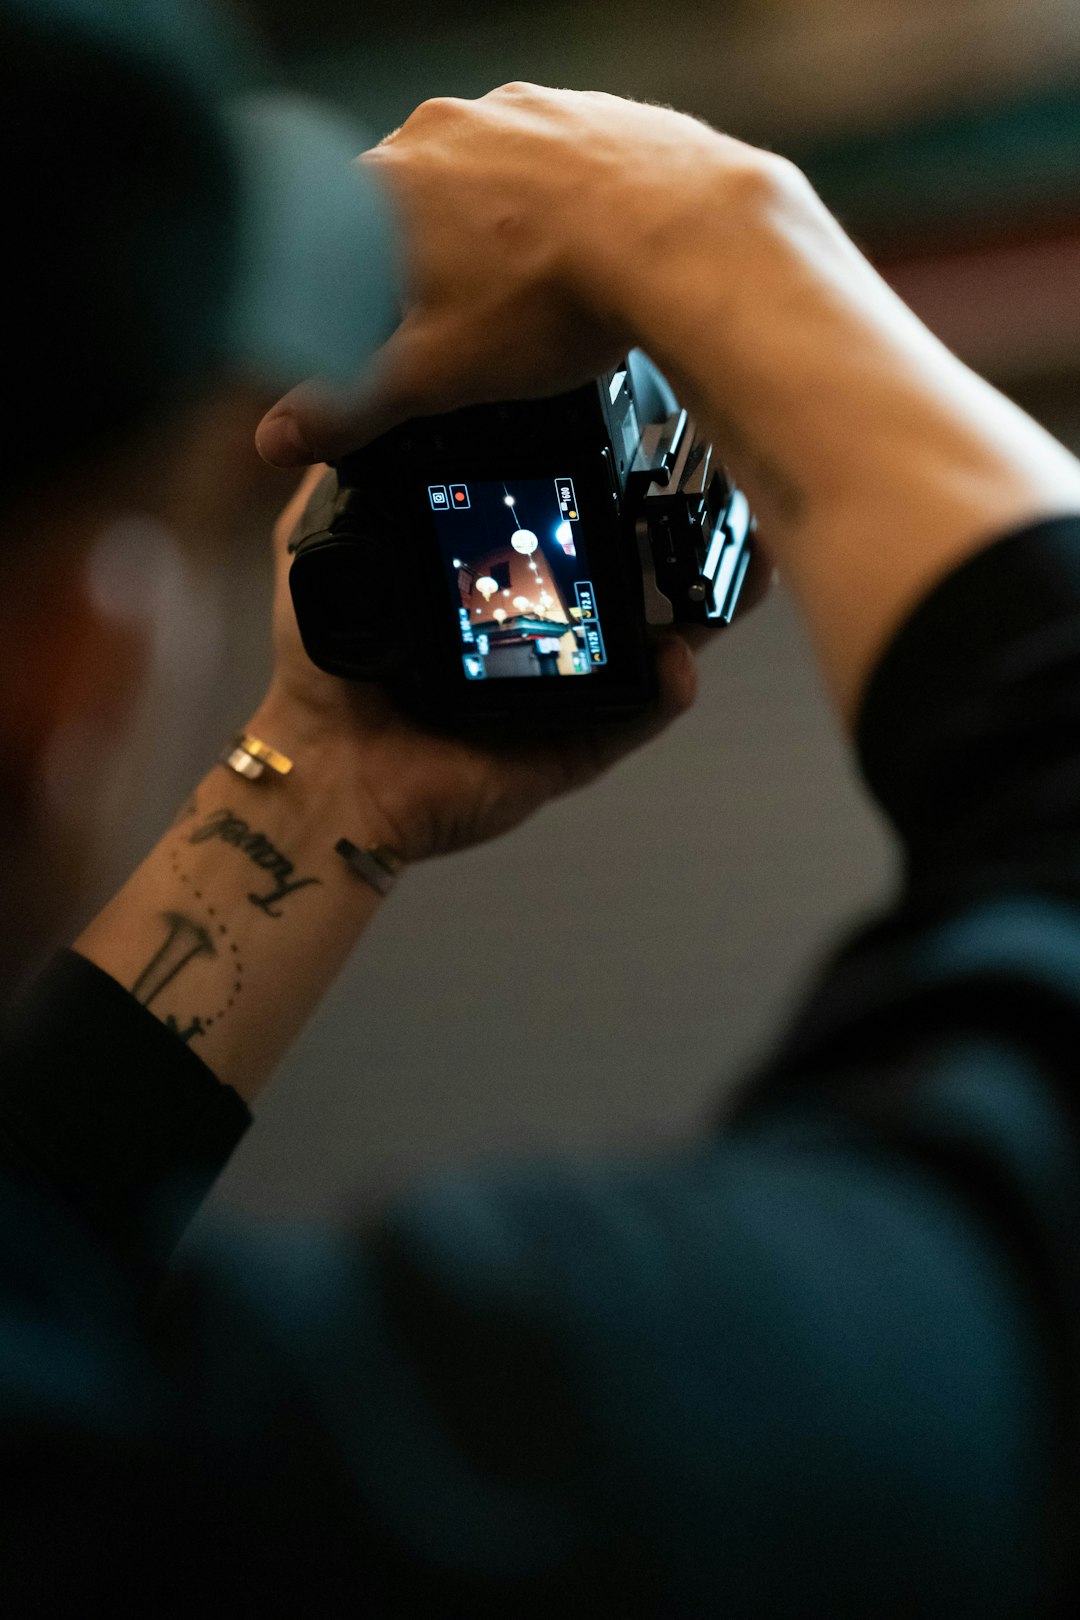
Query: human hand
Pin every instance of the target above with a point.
(424, 793)
(520, 213)
(546, 232)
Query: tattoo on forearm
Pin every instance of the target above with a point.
(184, 940)
(196, 1027)
(230, 829)
(187, 938)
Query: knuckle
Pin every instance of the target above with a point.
(759, 184)
(774, 179)
(786, 175)
(436, 110)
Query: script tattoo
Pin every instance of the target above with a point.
(258, 848)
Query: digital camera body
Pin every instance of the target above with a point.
(499, 567)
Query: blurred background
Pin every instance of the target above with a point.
(604, 975)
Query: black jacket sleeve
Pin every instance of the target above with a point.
(107, 1110)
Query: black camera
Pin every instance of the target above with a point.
(500, 566)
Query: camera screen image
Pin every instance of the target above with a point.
(519, 577)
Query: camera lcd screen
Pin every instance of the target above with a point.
(520, 583)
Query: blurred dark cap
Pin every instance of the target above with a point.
(165, 225)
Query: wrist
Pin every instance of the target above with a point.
(682, 237)
(327, 781)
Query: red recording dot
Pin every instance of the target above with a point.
(459, 497)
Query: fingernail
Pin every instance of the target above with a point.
(280, 442)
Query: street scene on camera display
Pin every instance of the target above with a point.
(520, 578)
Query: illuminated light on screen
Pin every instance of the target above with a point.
(522, 544)
(564, 534)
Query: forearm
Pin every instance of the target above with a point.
(876, 461)
(239, 920)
